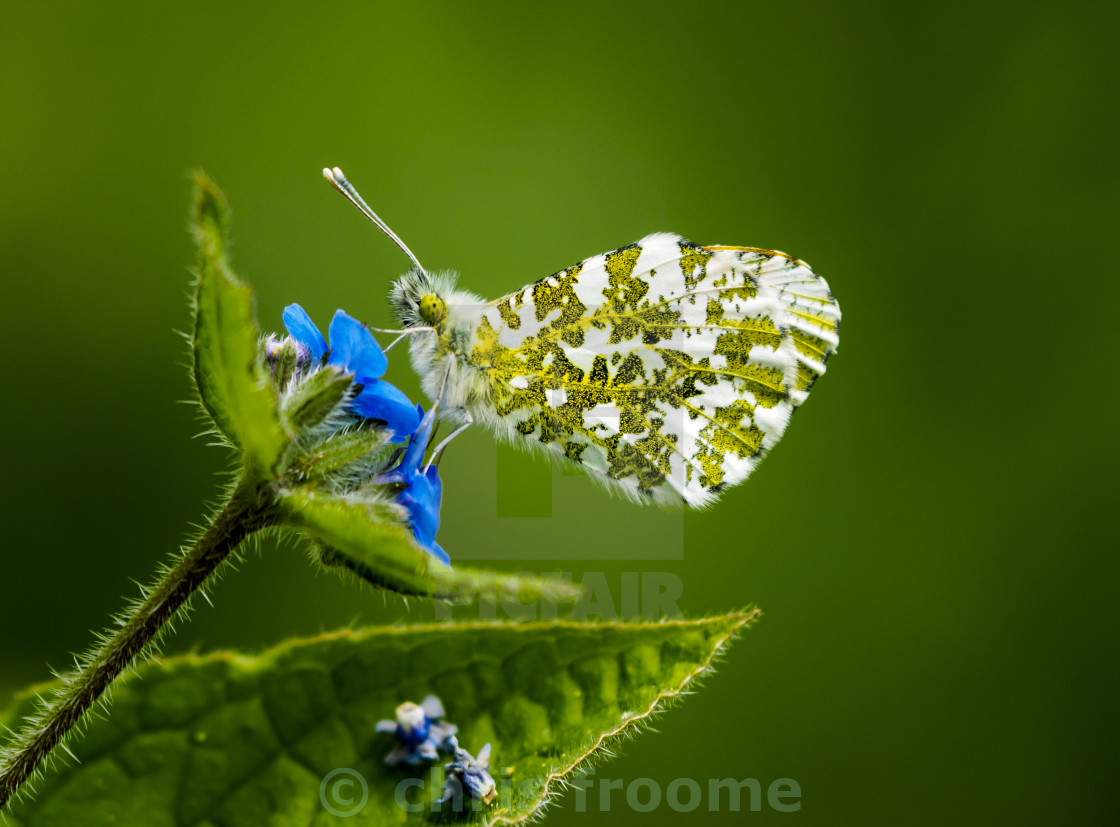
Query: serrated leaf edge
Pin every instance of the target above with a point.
(745, 618)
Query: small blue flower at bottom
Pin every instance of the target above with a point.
(466, 774)
(353, 349)
(421, 732)
(423, 490)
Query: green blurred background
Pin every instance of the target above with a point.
(939, 641)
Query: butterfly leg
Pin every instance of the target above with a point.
(439, 448)
(405, 332)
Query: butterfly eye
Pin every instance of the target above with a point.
(433, 310)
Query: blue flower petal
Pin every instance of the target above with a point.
(410, 462)
(303, 330)
(354, 349)
(437, 552)
(380, 400)
(417, 515)
(422, 499)
(423, 506)
(432, 475)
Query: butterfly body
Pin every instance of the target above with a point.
(665, 369)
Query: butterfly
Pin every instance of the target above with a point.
(665, 369)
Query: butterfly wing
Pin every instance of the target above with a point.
(665, 369)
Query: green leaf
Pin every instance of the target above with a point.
(317, 460)
(231, 382)
(316, 398)
(369, 539)
(244, 741)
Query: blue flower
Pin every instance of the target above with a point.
(423, 490)
(353, 349)
(420, 731)
(422, 498)
(466, 774)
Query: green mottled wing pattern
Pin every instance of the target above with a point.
(665, 369)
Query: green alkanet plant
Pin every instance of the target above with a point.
(353, 350)
(326, 448)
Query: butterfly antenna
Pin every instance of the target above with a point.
(338, 181)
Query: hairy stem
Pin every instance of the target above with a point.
(140, 628)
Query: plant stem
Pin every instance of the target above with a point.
(246, 511)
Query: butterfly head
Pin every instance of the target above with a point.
(419, 299)
(432, 310)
